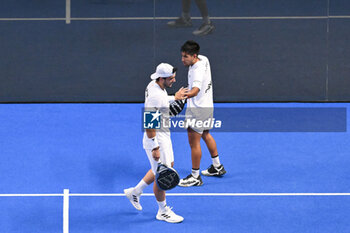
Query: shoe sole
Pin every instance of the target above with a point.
(197, 184)
(214, 174)
(205, 32)
(165, 220)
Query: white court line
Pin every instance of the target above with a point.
(66, 196)
(199, 18)
(68, 13)
(31, 19)
(173, 194)
(66, 211)
(213, 194)
(339, 16)
(68, 17)
(33, 195)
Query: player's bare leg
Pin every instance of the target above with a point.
(194, 140)
(149, 177)
(210, 142)
(160, 194)
(164, 212)
(216, 169)
(194, 179)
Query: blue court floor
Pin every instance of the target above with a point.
(96, 149)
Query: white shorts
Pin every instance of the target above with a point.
(198, 130)
(166, 155)
(199, 115)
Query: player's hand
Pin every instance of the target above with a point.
(156, 154)
(181, 93)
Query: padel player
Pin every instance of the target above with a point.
(199, 107)
(157, 142)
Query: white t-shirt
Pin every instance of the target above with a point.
(199, 75)
(157, 99)
(200, 107)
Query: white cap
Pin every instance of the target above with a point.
(163, 70)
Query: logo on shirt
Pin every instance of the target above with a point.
(151, 119)
(146, 93)
(208, 88)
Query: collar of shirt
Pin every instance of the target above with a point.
(196, 64)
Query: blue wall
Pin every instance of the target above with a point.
(111, 60)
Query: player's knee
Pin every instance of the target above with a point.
(154, 171)
(194, 143)
(206, 135)
(194, 140)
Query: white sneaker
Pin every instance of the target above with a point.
(133, 198)
(214, 171)
(191, 181)
(169, 216)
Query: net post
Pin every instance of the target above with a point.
(68, 11)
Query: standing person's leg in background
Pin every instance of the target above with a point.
(185, 19)
(207, 26)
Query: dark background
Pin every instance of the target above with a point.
(111, 60)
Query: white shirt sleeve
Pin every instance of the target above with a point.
(171, 98)
(198, 75)
(153, 103)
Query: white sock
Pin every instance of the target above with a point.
(216, 161)
(140, 187)
(162, 205)
(195, 173)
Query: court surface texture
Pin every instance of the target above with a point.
(275, 182)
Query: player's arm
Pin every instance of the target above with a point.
(181, 93)
(178, 105)
(151, 134)
(153, 103)
(198, 75)
(193, 92)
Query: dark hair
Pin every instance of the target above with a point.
(191, 47)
